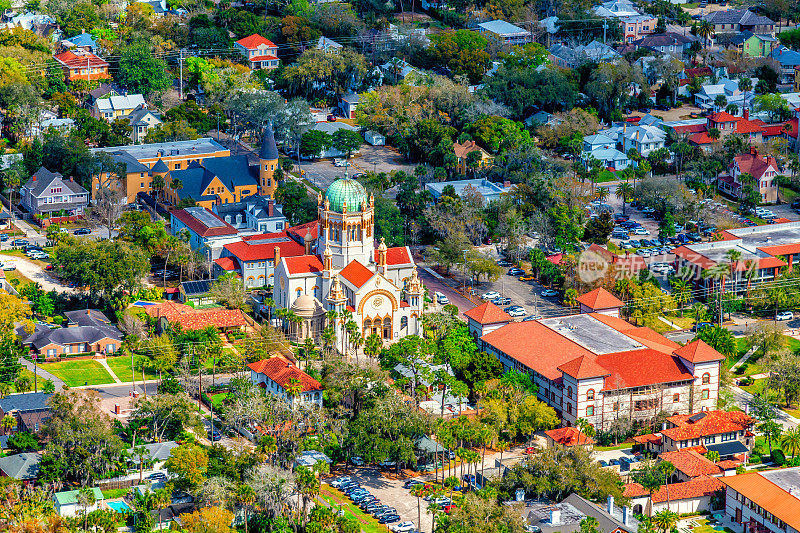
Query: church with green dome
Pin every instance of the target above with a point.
(349, 271)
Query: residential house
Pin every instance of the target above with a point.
(616, 9)
(750, 44)
(261, 53)
(280, 377)
(254, 257)
(763, 170)
(330, 128)
(729, 433)
(348, 105)
(79, 64)
(634, 372)
(764, 501)
(83, 41)
(220, 179)
(568, 437)
(739, 20)
(22, 466)
(462, 151)
(67, 504)
(119, 106)
(49, 121)
(505, 32)
(329, 45)
(309, 458)
(788, 59)
(201, 226)
(196, 292)
(48, 194)
(565, 56)
(142, 120)
(157, 454)
(566, 516)
(694, 496)
(193, 319)
(488, 190)
(644, 139)
(603, 149)
(87, 331)
(728, 88)
(635, 27)
(761, 249)
(254, 214)
(666, 43)
(31, 410)
(726, 124)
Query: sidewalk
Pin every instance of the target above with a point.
(42, 374)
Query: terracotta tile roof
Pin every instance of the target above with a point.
(781, 249)
(722, 116)
(298, 233)
(602, 252)
(791, 131)
(768, 496)
(713, 423)
(691, 463)
(75, 61)
(699, 352)
(303, 264)
(254, 247)
(201, 229)
(690, 128)
(397, 255)
(194, 319)
(749, 126)
(253, 41)
(693, 257)
(701, 138)
(583, 367)
(650, 438)
(755, 164)
(569, 436)
(634, 490)
(695, 488)
(653, 339)
(772, 130)
(600, 299)
(488, 313)
(356, 273)
(265, 57)
(227, 263)
(461, 150)
(639, 368)
(728, 464)
(617, 323)
(282, 371)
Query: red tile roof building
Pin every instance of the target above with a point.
(763, 170)
(764, 502)
(600, 301)
(82, 65)
(259, 51)
(254, 257)
(691, 496)
(282, 378)
(727, 432)
(485, 318)
(568, 436)
(193, 319)
(600, 367)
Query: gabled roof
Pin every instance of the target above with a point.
(722, 116)
(29, 401)
(356, 273)
(691, 463)
(254, 41)
(22, 466)
(583, 367)
(42, 179)
(569, 436)
(158, 451)
(488, 313)
(193, 319)
(599, 299)
(768, 495)
(396, 255)
(298, 233)
(193, 218)
(696, 488)
(282, 371)
(755, 164)
(639, 368)
(228, 263)
(705, 424)
(698, 351)
(71, 496)
(262, 247)
(303, 264)
(76, 61)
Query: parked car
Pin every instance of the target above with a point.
(388, 519)
(784, 315)
(339, 162)
(700, 325)
(357, 461)
(516, 272)
(82, 231)
(526, 277)
(402, 527)
(501, 300)
(547, 293)
(491, 295)
(503, 263)
(515, 311)
(411, 483)
(441, 299)
(19, 242)
(215, 436)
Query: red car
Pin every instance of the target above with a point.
(448, 508)
(49, 266)
(331, 118)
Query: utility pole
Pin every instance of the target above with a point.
(605, 27)
(180, 63)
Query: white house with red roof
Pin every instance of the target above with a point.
(485, 318)
(729, 433)
(601, 368)
(282, 378)
(763, 170)
(259, 51)
(254, 257)
(342, 270)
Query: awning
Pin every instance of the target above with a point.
(725, 449)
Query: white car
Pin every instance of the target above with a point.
(549, 292)
(784, 315)
(441, 299)
(339, 163)
(514, 313)
(356, 460)
(491, 295)
(402, 527)
(641, 231)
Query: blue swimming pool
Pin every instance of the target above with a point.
(119, 506)
(141, 303)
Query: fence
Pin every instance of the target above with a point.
(45, 222)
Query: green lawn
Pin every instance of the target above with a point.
(337, 500)
(788, 195)
(757, 387)
(706, 528)
(80, 372)
(685, 322)
(112, 494)
(217, 399)
(793, 344)
(121, 365)
(609, 448)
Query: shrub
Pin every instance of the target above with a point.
(778, 458)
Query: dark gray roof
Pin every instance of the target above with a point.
(196, 288)
(4, 442)
(101, 91)
(160, 166)
(28, 401)
(73, 335)
(664, 39)
(728, 448)
(87, 317)
(257, 206)
(233, 171)
(131, 164)
(741, 37)
(21, 466)
(159, 451)
(574, 509)
(41, 179)
(269, 150)
(135, 117)
(737, 16)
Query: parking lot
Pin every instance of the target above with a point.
(527, 294)
(322, 172)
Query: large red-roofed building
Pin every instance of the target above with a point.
(259, 51)
(282, 378)
(601, 368)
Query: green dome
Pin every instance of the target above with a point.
(346, 190)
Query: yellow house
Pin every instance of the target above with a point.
(462, 150)
(119, 106)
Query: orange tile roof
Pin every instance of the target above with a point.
(73, 60)
(356, 273)
(250, 249)
(695, 488)
(194, 319)
(767, 495)
(691, 463)
(638, 368)
(600, 299)
(755, 164)
(722, 116)
(397, 255)
(461, 150)
(281, 371)
(713, 423)
(303, 264)
(649, 438)
(488, 313)
(583, 367)
(728, 464)
(699, 352)
(781, 249)
(298, 233)
(265, 57)
(701, 138)
(749, 126)
(693, 257)
(227, 263)
(253, 41)
(569, 436)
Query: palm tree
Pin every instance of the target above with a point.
(666, 468)
(624, 192)
(419, 491)
(745, 85)
(162, 498)
(295, 389)
(790, 441)
(705, 30)
(267, 446)
(9, 422)
(141, 453)
(373, 345)
(720, 102)
(502, 446)
(681, 291)
(85, 499)
(665, 520)
(245, 497)
(602, 193)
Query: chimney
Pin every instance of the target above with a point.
(626, 516)
(753, 151)
(506, 184)
(610, 505)
(34, 177)
(88, 312)
(746, 114)
(555, 517)
(271, 207)
(72, 179)
(277, 255)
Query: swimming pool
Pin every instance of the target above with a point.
(142, 303)
(119, 506)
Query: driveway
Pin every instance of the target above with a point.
(36, 273)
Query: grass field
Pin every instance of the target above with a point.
(217, 399)
(337, 500)
(80, 372)
(706, 528)
(609, 448)
(121, 365)
(112, 494)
